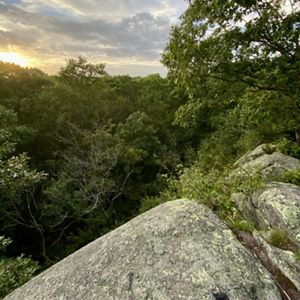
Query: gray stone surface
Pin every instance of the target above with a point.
(258, 160)
(282, 259)
(276, 206)
(178, 250)
(254, 154)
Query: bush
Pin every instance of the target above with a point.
(242, 225)
(14, 271)
(213, 189)
(289, 148)
(279, 239)
(291, 176)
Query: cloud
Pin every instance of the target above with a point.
(109, 8)
(113, 31)
(137, 35)
(8, 38)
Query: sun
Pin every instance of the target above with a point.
(13, 58)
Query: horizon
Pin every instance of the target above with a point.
(109, 71)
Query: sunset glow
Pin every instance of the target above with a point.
(13, 58)
(128, 36)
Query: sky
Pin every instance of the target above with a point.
(127, 35)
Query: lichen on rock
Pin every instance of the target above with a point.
(275, 206)
(266, 163)
(178, 250)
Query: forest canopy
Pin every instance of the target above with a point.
(82, 152)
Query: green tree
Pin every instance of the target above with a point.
(250, 47)
(18, 85)
(80, 71)
(89, 186)
(17, 181)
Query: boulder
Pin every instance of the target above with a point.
(277, 206)
(284, 260)
(273, 209)
(178, 250)
(265, 160)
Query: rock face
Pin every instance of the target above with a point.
(178, 250)
(272, 208)
(285, 261)
(276, 206)
(264, 160)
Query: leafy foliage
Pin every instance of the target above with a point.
(288, 147)
(291, 176)
(251, 47)
(243, 225)
(14, 271)
(213, 189)
(78, 152)
(80, 71)
(17, 178)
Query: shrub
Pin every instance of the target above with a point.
(242, 225)
(14, 271)
(279, 239)
(291, 176)
(289, 148)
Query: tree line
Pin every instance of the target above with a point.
(82, 152)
